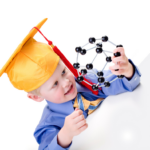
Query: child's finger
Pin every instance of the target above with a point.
(76, 113)
(118, 66)
(81, 123)
(119, 72)
(78, 119)
(83, 127)
(119, 49)
(118, 59)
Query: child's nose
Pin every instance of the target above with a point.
(65, 83)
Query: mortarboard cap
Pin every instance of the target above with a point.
(31, 64)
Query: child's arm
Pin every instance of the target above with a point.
(50, 135)
(126, 67)
(74, 125)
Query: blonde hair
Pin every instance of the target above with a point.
(36, 92)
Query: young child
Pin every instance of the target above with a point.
(36, 69)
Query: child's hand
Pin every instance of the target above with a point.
(75, 123)
(121, 63)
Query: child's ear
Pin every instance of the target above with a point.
(35, 97)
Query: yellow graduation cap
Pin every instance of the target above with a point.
(31, 64)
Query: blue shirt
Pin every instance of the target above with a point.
(53, 116)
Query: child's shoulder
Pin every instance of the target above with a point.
(47, 113)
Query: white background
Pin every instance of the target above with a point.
(70, 23)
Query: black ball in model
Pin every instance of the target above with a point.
(119, 46)
(89, 66)
(78, 49)
(94, 87)
(107, 84)
(117, 54)
(99, 45)
(83, 71)
(108, 59)
(104, 38)
(101, 79)
(80, 78)
(76, 65)
(92, 40)
(83, 51)
(120, 76)
(100, 73)
(99, 50)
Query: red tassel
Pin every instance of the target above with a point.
(50, 42)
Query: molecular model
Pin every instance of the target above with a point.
(99, 49)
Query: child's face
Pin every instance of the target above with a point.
(56, 88)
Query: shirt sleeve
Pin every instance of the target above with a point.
(48, 139)
(117, 85)
(46, 133)
(55, 146)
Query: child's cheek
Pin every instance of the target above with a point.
(58, 97)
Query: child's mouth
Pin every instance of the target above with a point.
(70, 90)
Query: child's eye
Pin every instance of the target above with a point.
(64, 71)
(55, 83)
